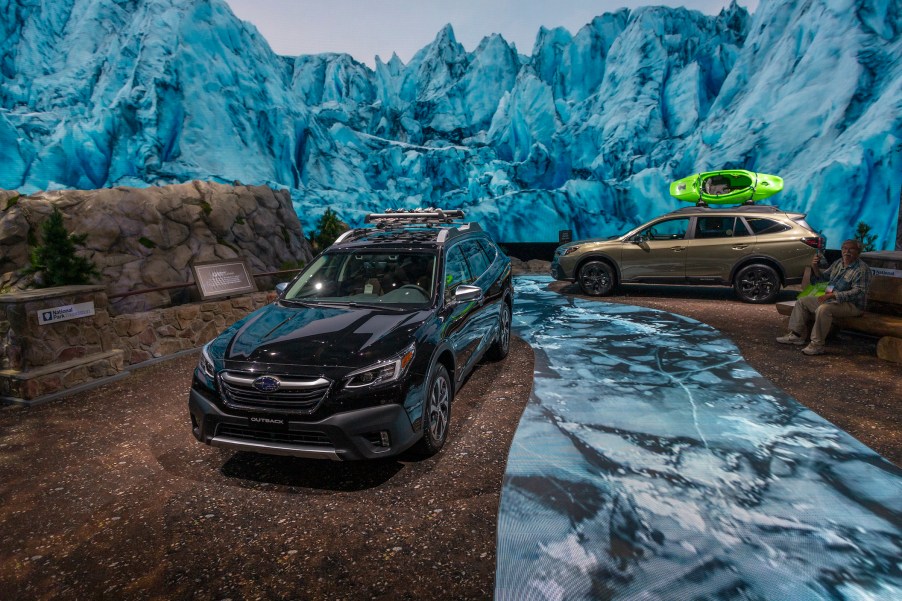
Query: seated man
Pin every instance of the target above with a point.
(847, 290)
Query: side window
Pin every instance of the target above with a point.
(761, 226)
(491, 251)
(456, 271)
(719, 227)
(672, 229)
(741, 230)
(476, 258)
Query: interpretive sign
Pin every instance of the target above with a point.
(890, 273)
(65, 313)
(223, 278)
(564, 236)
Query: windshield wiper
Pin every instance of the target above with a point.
(294, 301)
(340, 304)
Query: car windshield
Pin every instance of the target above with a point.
(366, 278)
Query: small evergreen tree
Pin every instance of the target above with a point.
(863, 234)
(327, 230)
(55, 260)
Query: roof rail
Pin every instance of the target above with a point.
(346, 235)
(398, 217)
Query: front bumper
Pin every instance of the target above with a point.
(344, 436)
(558, 271)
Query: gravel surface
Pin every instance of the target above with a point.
(107, 495)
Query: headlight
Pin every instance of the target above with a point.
(570, 250)
(205, 363)
(383, 372)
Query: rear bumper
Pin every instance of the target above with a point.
(344, 436)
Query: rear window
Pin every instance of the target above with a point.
(762, 226)
(801, 221)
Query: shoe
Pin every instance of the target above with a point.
(791, 338)
(813, 350)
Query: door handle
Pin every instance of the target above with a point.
(740, 246)
(678, 249)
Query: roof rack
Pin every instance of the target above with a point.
(429, 216)
(740, 208)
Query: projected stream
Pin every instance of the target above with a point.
(653, 463)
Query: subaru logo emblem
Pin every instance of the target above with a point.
(267, 384)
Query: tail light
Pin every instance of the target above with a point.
(815, 242)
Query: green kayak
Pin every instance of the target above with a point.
(728, 187)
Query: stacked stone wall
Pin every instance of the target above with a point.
(161, 332)
(40, 360)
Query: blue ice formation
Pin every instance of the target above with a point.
(653, 463)
(585, 133)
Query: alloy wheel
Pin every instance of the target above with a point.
(439, 408)
(757, 283)
(596, 279)
(505, 334)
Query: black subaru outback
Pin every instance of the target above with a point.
(362, 353)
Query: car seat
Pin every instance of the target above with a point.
(373, 286)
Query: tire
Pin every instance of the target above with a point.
(502, 343)
(757, 284)
(436, 412)
(596, 278)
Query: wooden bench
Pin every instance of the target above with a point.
(883, 317)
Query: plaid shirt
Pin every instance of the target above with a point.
(850, 284)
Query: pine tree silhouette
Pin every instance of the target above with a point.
(329, 228)
(863, 234)
(55, 260)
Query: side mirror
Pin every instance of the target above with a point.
(281, 286)
(465, 294)
(638, 239)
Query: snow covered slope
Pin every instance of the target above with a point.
(585, 133)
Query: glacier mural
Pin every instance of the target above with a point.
(584, 133)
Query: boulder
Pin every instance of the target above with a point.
(143, 237)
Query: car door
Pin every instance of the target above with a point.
(718, 243)
(657, 252)
(487, 312)
(461, 325)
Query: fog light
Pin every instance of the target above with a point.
(384, 439)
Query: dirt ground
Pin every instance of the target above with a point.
(106, 495)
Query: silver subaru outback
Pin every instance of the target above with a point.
(756, 249)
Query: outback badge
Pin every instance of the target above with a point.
(267, 384)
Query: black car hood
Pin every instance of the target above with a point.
(323, 336)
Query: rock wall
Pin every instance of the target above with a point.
(161, 332)
(148, 237)
(37, 360)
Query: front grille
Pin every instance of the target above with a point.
(299, 395)
(310, 438)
